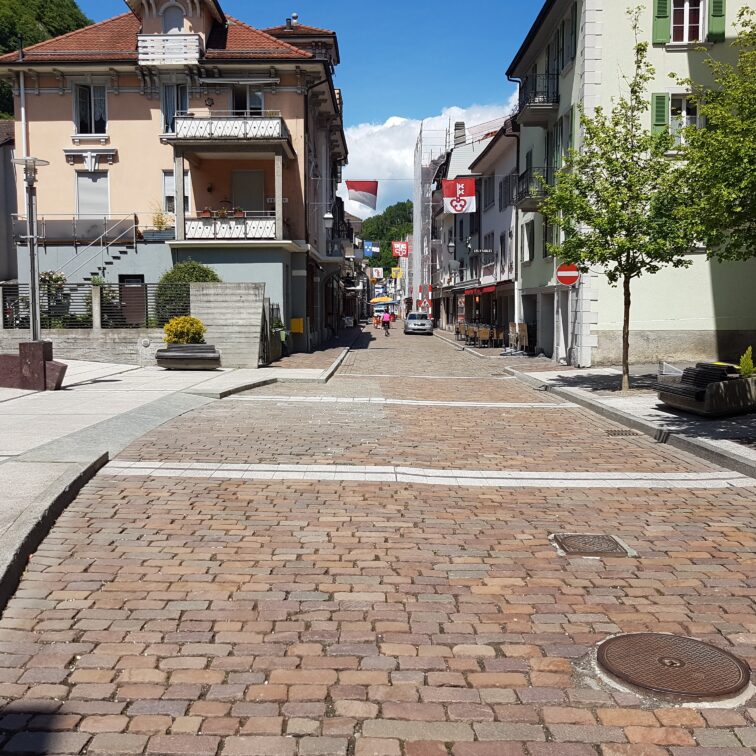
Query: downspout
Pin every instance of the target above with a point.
(517, 259)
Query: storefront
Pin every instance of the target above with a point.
(480, 305)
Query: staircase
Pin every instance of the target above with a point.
(111, 255)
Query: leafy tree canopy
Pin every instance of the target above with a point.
(393, 224)
(621, 202)
(721, 158)
(190, 272)
(34, 21)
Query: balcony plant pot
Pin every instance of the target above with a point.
(159, 235)
(189, 357)
(736, 396)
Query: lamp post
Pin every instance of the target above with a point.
(30, 165)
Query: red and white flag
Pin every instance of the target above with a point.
(364, 192)
(400, 249)
(459, 195)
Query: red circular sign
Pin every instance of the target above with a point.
(568, 275)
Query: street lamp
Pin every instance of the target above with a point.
(30, 165)
(328, 220)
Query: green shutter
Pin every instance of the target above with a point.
(659, 112)
(717, 19)
(662, 22)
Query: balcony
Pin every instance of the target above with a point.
(531, 188)
(169, 49)
(229, 127)
(240, 227)
(539, 100)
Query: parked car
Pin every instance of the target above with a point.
(418, 322)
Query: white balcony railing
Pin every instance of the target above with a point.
(169, 49)
(269, 125)
(247, 228)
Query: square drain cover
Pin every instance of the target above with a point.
(579, 544)
(618, 433)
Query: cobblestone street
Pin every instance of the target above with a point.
(363, 568)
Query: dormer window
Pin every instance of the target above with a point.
(173, 20)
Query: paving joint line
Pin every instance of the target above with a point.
(298, 399)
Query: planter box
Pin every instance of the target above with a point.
(733, 397)
(189, 357)
(153, 235)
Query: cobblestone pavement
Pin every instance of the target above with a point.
(172, 615)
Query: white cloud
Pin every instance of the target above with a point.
(386, 151)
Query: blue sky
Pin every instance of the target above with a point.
(401, 57)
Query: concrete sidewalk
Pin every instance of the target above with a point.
(730, 442)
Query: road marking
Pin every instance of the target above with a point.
(428, 476)
(402, 402)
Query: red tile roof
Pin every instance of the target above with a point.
(300, 30)
(116, 39)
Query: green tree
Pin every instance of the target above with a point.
(620, 200)
(172, 297)
(721, 157)
(33, 21)
(393, 224)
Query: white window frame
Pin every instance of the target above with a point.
(77, 86)
(250, 89)
(163, 114)
(187, 193)
(686, 23)
(677, 128)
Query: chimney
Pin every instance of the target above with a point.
(460, 136)
(288, 23)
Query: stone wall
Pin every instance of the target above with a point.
(232, 314)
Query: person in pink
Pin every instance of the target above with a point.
(386, 321)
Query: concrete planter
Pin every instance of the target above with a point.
(189, 357)
(733, 397)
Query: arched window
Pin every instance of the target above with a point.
(173, 20)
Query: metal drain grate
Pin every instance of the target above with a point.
(586, 544)
(674, 665)
(616, 433)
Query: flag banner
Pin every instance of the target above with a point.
(459, 196)
(367, 248)
(396, 273)
(377, 273)
(364, 192)
(400, 249)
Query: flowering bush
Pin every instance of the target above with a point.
(52, 281)
(185, 330)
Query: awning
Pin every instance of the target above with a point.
(484, 290)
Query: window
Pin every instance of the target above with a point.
(683, 113)
(489, 194)
(175, 102)
(92, 195)
(247, 101)
(573, 32)
(528, 241)
(687, 20)
(169, 192)
(562, 47)
(502, 195)
(503, 252)
(173, 20)
(91, 113)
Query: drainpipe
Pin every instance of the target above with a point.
(517, 258)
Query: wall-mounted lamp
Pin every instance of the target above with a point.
(328, 220)
(209, 101)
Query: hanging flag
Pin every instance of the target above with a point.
(364, 192)
(459, 196)
(400, 249)
(367, 247)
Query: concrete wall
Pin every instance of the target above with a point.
(127, 346)
(233, 316)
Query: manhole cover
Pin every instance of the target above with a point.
(674, 665)
(617, 433)
(577, 544)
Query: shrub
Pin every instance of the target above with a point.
(172, 295)
(746, 364)
(185, 330)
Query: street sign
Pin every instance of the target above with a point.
(568, 275)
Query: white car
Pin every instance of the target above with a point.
(418, 322)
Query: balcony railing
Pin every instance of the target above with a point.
(230, 126)
(169, 49)
(249, 227)
(74, 229)
(530, 186)
(539, 89)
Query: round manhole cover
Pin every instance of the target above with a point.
(674, 665)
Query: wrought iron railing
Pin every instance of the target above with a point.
(60, 306)
(539, 89)
(230, 126)
(532, 183)
(142, 305)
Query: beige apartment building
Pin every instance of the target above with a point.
(577, 53)
(174, 132)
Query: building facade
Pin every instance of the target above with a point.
(576, 55)
(8, 201)
(174, 132)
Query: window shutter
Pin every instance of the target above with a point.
(717, 20)
(659, 112)
(662, 22)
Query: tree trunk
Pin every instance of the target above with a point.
(626, 335)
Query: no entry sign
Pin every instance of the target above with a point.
(568, 275)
